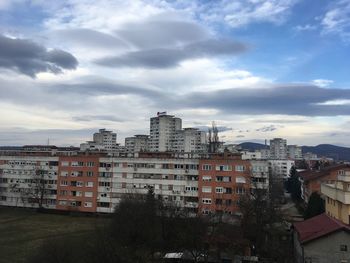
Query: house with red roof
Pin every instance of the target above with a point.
(321, 239)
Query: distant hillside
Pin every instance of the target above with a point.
(327, 150)
(252, 146)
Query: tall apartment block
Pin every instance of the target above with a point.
(190, 140)
(278, 149)
(295, 152)
(162, 132)
(102, 140)
(137, 143)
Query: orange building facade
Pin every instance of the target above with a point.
(222, 181)
(77, 183)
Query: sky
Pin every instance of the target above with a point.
(259, 68)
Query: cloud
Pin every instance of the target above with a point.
(88, 38)
(337, 20)
(220, 128)
(29, 58)
(162, 31)
(90, 118)
(243, 12)
(306, 27)
(269, 128)
(300, 100)
(171, 57)
(322, 82)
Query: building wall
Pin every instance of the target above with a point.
(327, 249)
(18, 180)
(278, 149)
(221, 183)
(77, 183)
(337, 210)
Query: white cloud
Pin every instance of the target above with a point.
(322, 82)
(306, 27)
(337, 19)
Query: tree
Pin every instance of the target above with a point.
(294, 185)
(315, 206)
(38, 189)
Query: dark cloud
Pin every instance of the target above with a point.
(29, 58)
(88, 118)
(171, 57)
(289, 100)
(269, 128)
(161, 32)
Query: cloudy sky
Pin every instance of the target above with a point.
(259, 68)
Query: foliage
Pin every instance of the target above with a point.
(315, 206)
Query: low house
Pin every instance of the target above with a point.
(321, 239)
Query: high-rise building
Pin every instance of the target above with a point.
(295, 152)
(102, 140)
(163, 128)
(190, 140)
(278, 149)
(136, 143)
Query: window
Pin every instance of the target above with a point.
(343, 248)
(88, 194)
(227, 190)
(88, 204)
(62, 202)
(64, 163)
(223, 168)
(206, 167)
(206, 200)
(63, 183)
(240, 180)
(240, 190)
(89, 184)
(218, 201)
(219, 190)
(219, 178)
(64, 173)
(63, 192)
(103, 204)
(206, 178)
(90, 164)
(226, 179)
(89, 173)
(239, 168)
(206, 189)
(105, 184)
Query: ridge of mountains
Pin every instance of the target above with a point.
(338, 153)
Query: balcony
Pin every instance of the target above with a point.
(332, 192)
(344, 178)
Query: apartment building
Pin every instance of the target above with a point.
(223, 179)
(260, 174)
(162, 132)
(280, 168)
(173, 180)
(311, 180)
(77, 183)
(103, 140)
(28, 180)
(337, 196)
(294, 152)
(136, 143)
(278, 149)
(190, 140)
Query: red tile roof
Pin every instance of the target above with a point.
(317, 227)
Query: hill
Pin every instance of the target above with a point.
(327, 150)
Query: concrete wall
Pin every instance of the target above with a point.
(327, 248)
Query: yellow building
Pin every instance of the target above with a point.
(337, 197)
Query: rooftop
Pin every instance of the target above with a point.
(317, 227)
